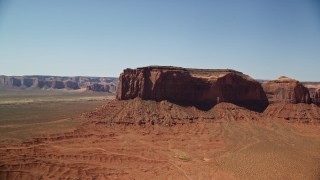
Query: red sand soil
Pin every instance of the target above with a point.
(138, 139)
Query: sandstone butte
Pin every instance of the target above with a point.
(202, 88)
(287, 90)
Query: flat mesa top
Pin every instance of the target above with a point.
(186, 69)
(198, 73)
(283, 79)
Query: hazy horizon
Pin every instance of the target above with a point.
(264, 39)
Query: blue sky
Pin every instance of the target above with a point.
(262, 38)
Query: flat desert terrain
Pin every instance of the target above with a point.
(25, 113)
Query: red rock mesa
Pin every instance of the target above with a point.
(199, 87)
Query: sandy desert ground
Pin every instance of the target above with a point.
(130, 140)
(25, 113)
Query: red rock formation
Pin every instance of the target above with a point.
(285, 89)
(198, 87)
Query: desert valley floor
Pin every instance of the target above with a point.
(139, 139)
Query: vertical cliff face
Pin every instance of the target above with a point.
(98, 87)
(316, 98)
(288, 90)
(27, 82)
(199, 87)
(71, 84)
(57, 85)
(15, 82)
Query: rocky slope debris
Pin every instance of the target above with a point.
(202, 88)
(301, 112)
(164, 113)
(286, 90)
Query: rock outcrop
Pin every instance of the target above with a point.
(29, 82)
(314, 90)
(71, 84)
(287, 90)
(57, 85)
(98, 87)
(203, 88)
(316, 98)
(16, 82)
(112, 86)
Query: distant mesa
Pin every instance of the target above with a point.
(202, 88)
(101, 87)
(58, 82)
(287, 90)
(71, 84)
